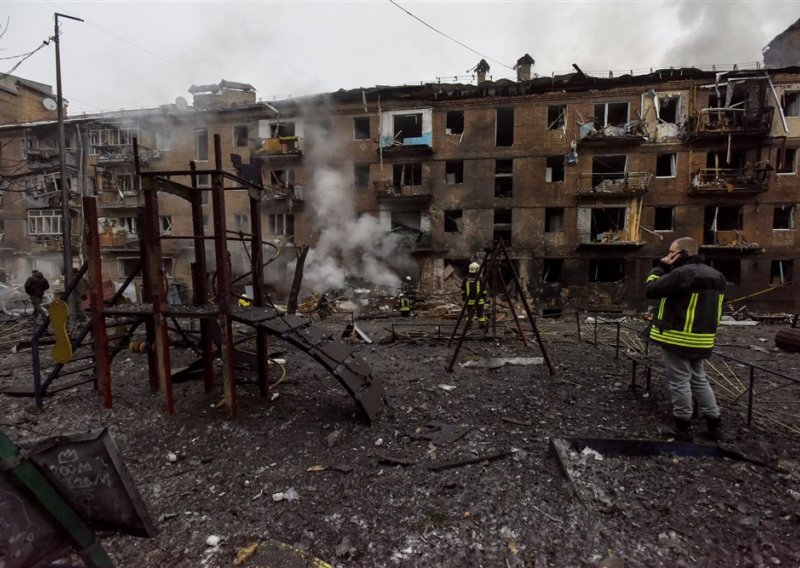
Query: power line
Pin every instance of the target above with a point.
(44, 44)
(448, 37)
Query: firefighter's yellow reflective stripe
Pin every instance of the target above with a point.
(651, 278)
(696, 340)
(719, 309)
(661, 306)
(690, 311)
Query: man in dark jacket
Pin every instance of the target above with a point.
(685, 324)
(35, 287)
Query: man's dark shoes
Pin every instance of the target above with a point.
(714, 425)
(683, 430)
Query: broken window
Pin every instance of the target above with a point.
(606, 270)
(44, 222)
(610, 114)
(503, 178)
(666, 164)
(669, 108)
(790, 101)
(407, 126)
(454, 172)
(502, 225)
(163, 140)
(281, 129)
(241, 222)
(361, 128)
(781, 271)
(663, 219)
(455, 122)
(787, 161)
(607, 224)
(731, 269)
(166, 266)
(201, 145)
(127, 266)
(361, 175)
(504, 135)
(718, 219)
(783, 217)
(453, 220)
(556, 116)
(281, 178)
(128, 224)
(551, 270)
(554, 220)
(165, 224)
(204, 180)
(718, 159)
(554, 169)
(281, 224)
(406, 174)
(408, 223)
(605, 169)
(240, 136)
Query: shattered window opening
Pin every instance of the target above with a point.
(781, 271)
(555, 168)
(241, 221)
(554, 220)
(129, 225)
(503, 178)
(551, 270)
(404, 175)
(361, 128)
(610, 114)
(608, 224)
(281, 224)
(167, 267)
(606, 169)
(502, 225)
(44, 222)
(666, 164)
(668, 108)
(783, 218)
(718, 219)
(361, 175)
(454, 172)
(240, 136)
(407, 126)
(606, 270)
(790, 102)
(165, 224)
(163, 140)
(281, 129)
(556, 116)
(504, 134)
(126, 266)
(455, 122)
(731, 269)
(453, 220)
(787, 161)
(201, 145)
(663, 220)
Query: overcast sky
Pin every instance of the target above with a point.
(144, 54)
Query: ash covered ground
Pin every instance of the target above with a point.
(458, 471)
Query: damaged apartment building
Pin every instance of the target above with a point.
(587, 179)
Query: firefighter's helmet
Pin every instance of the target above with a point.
(474, 268)
(408, 278)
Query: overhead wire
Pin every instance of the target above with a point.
(45, 43)
(448, 37)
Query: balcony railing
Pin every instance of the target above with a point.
(627, 184)
(280, 146)
(388, 190)
(718, 181)
(123, 153)
(715, 121)
(115, 198)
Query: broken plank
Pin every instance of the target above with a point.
(469, 461)
(516, 421)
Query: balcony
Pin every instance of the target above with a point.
(628, 134)
(733, 181)
(288, 147)
(387, 190)
(723, 121)
(110, 154)
(118, 199)
(614, 185)
(52, 199)
(119, 240)
(728, 241)
(39, 159)
(292, 193)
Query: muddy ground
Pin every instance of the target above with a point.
(382, 495)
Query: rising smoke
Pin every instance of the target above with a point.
(348, 245)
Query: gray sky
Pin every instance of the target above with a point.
(143, 54)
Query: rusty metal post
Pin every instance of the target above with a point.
(200, 284)
(147, 286)
(223, 278)
(102, 359)
(259, 292)
(151, 267)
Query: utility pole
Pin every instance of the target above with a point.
(66, 229)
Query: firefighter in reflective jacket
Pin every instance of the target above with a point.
(474, 294)
(404, 305)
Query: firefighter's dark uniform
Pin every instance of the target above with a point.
(475, 296)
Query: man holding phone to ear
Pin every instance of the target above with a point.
(685, 324)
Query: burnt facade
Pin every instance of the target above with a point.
(586, 179)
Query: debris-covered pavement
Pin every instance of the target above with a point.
(461, 469)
